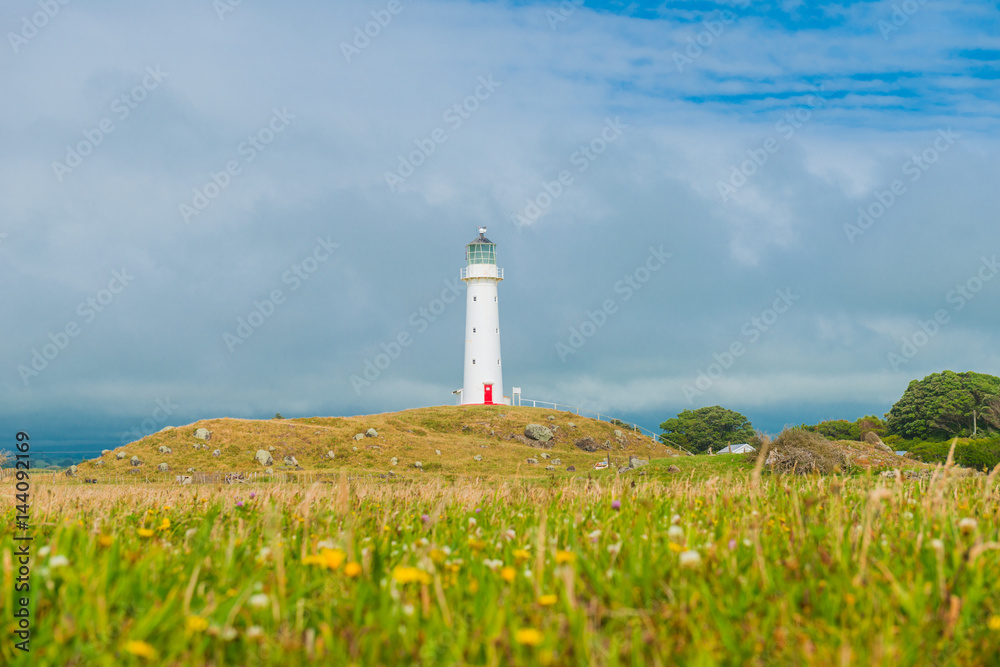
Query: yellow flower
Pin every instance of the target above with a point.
(408, 575)
(994, 622)
(165, 524)
(521, 555)
(563, 557)
(508, 573)
(331, 559)
(145, 532)
(528, 637)
(476, 545)
(352, 569)
(105, 540)
(676, 548)
(547, 600)
(141, 649)
(196, 623)
(437, 556)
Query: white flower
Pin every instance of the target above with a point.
(325, 544)
(423, 541)
(228, 634)
(254, 631)
(690, 559)
(675, 532)
(43, 552)
(613, 549)
(472, 521)
(58, 561)
(259, 600)
(747, 542)
(908, 515)
(264, 553)
(509, 534)
(594, 535)
(937, 544)
(493, 563)
(675, 518)
(967, 525)
(408, 610)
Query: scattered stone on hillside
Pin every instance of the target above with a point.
(185, 479)
(875, 441)
(163, 467)
(359, 436)
(120, 455)
(557, 462)
(570, 468)
(291, 461)
(331, 455)
(105, 452)
(550, 418)
(375, 448)
(269, 471)
(571, 424)
(216, 453)
(354, 449)
(203, 434)
(71, 471)
(438, 452)
(271, 448)
(163, 449)
(673, 469)
(889, 473)
(264, 458)
(618, 433)
(554, 428)
(394, 461)
(418, 464)
(546, 455)
(550, 467)
(165, 429)
(98, 463)
(371, 433)
(492, 433)
(135, 461)
(190, 470)
(533, 461)
(537, 432)
(633, 462)
(588, 444)
(477, 457)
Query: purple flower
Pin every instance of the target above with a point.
(477, 510)
(239, 503)
(616, 505)
(425, 518)
(732, 544)
(252, 495)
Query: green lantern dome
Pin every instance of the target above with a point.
(481, 250)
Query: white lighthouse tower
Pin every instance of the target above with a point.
(483, 383)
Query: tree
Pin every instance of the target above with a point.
(945, 404)
(715, 427)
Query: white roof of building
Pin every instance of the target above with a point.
(737, 449)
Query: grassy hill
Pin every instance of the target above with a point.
(459, 433)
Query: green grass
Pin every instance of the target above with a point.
(790, 570)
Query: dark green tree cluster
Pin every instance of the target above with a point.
(842, 429)
(947, 404)
(715, 427)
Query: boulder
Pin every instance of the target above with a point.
(359, 436)
(618, 434)
(71, 471)
(550, 467)
(190, 470)
(550, 418)
(533, 461)
(216, 453)
(264, 458)
(633, 462)
(203, 434)
(477, 457)
(418, 464)
(105, 452)
(438, 452)
(165, 429)
(588, 444)
(537, 432)
(371, 433)
(185, 479)
(570, 468)
(291, 461)
(571, 424)
(354, 449)
(557, 462)
(163, 467)
(546, 455)
(163, 449)
(120, 455)
(135, 461)
(394, 461)
(98, 463)
(331, 455)
(673, 469)
(269, 471)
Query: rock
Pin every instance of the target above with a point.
(163, 449)
(588, 444)
(269, 471)
(354, 449)
(371, 433)
(557, 462)
(394, 461)
(533, 461)
(570, 468)
(264, 458)
(104, 452)
(493, 433)
(550, 418)
(550, 467)
(98, 463)
(331, 455)
(163, 467)
(571, 424)
(477, 457)
(271, 448)
(618, 433)
(418, 464)
(359, 436)
(216, 453)
(165, 429)
(874, 440)
(120, 455)
(633, 462)
(623, 469)
(438, 452)
(888, 473)
(291, 461)
(190, 470)
(71, 471)
(375, 448)
(135, 461)
(546, 455)
(203, 434)
(537, 432)
(673, 469)
(554, 428)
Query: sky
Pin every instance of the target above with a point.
(231, 209)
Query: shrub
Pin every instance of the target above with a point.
(803, 452)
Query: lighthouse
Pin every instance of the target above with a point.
(483, 382)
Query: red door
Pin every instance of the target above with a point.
(488, 393)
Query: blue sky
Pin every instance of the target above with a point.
(840, 154)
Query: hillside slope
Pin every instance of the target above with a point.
(459, 433)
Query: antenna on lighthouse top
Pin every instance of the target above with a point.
(482, 230)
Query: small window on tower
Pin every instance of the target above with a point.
(473, 362)
(498, 330)
(473, 329)
(474, 298)
(494, 299)
(498, 362)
